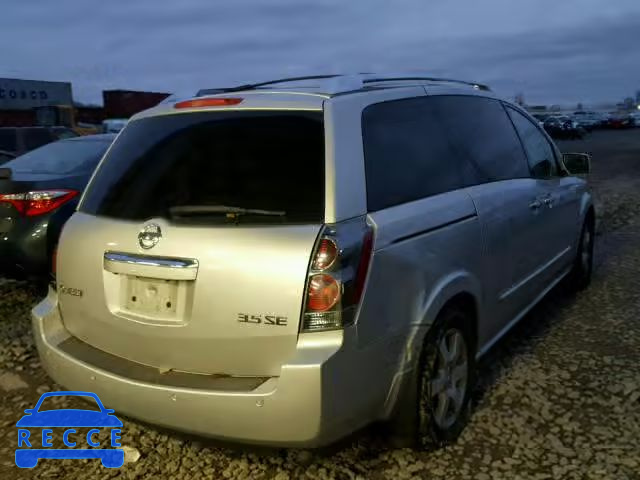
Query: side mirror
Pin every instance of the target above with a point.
(577, 163)
(29, 411)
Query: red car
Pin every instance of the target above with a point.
(621, 121)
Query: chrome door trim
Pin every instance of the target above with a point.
(487, 346)
(530, 277)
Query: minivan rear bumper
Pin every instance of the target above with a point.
(314, 401)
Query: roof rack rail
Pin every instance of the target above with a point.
(342, 82)
(382, 78)
(252, 86)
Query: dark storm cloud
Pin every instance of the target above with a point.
(575, 50)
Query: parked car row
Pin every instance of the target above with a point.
(590, 120)
(622, 121)
(563, 127)
(593, 120)
(577, 124)
(270, 267)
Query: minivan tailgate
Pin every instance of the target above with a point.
(229, 305)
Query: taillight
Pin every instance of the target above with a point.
(337, 275)
(208, 102)
(326, 254)
(38, 202)
(323, 294)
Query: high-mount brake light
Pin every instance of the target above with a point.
(337, 275)
(38, 202)
(208, 102)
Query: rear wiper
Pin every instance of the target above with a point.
(191, 210)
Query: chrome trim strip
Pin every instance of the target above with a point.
(151, 261)
(487, 346)
(533, 275)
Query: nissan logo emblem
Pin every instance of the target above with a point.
(149, 236)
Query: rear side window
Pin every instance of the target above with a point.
(268, 167)
(423, 146)
(408, 154)
(8, 139)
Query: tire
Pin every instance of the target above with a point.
(426, 418)
(580, 276)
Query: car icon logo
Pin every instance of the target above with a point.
(63, 422)
(150, 235)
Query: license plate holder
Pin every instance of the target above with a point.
(151, 297)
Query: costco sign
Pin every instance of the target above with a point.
(18, 94)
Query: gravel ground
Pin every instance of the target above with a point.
(558, 398)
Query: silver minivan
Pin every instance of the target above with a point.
(284, 263)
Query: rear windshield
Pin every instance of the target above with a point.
(63, 157)
(213, 168)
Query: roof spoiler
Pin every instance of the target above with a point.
(5, 173)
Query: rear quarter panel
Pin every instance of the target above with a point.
(426, 252)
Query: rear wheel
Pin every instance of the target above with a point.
(440, 404)
(580, 276)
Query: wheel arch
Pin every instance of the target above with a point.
(587, 214)
(466, 302)
(460, 290)
(587, 210)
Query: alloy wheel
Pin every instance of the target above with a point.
(448, 386)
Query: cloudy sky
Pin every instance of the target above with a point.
(560, 51)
